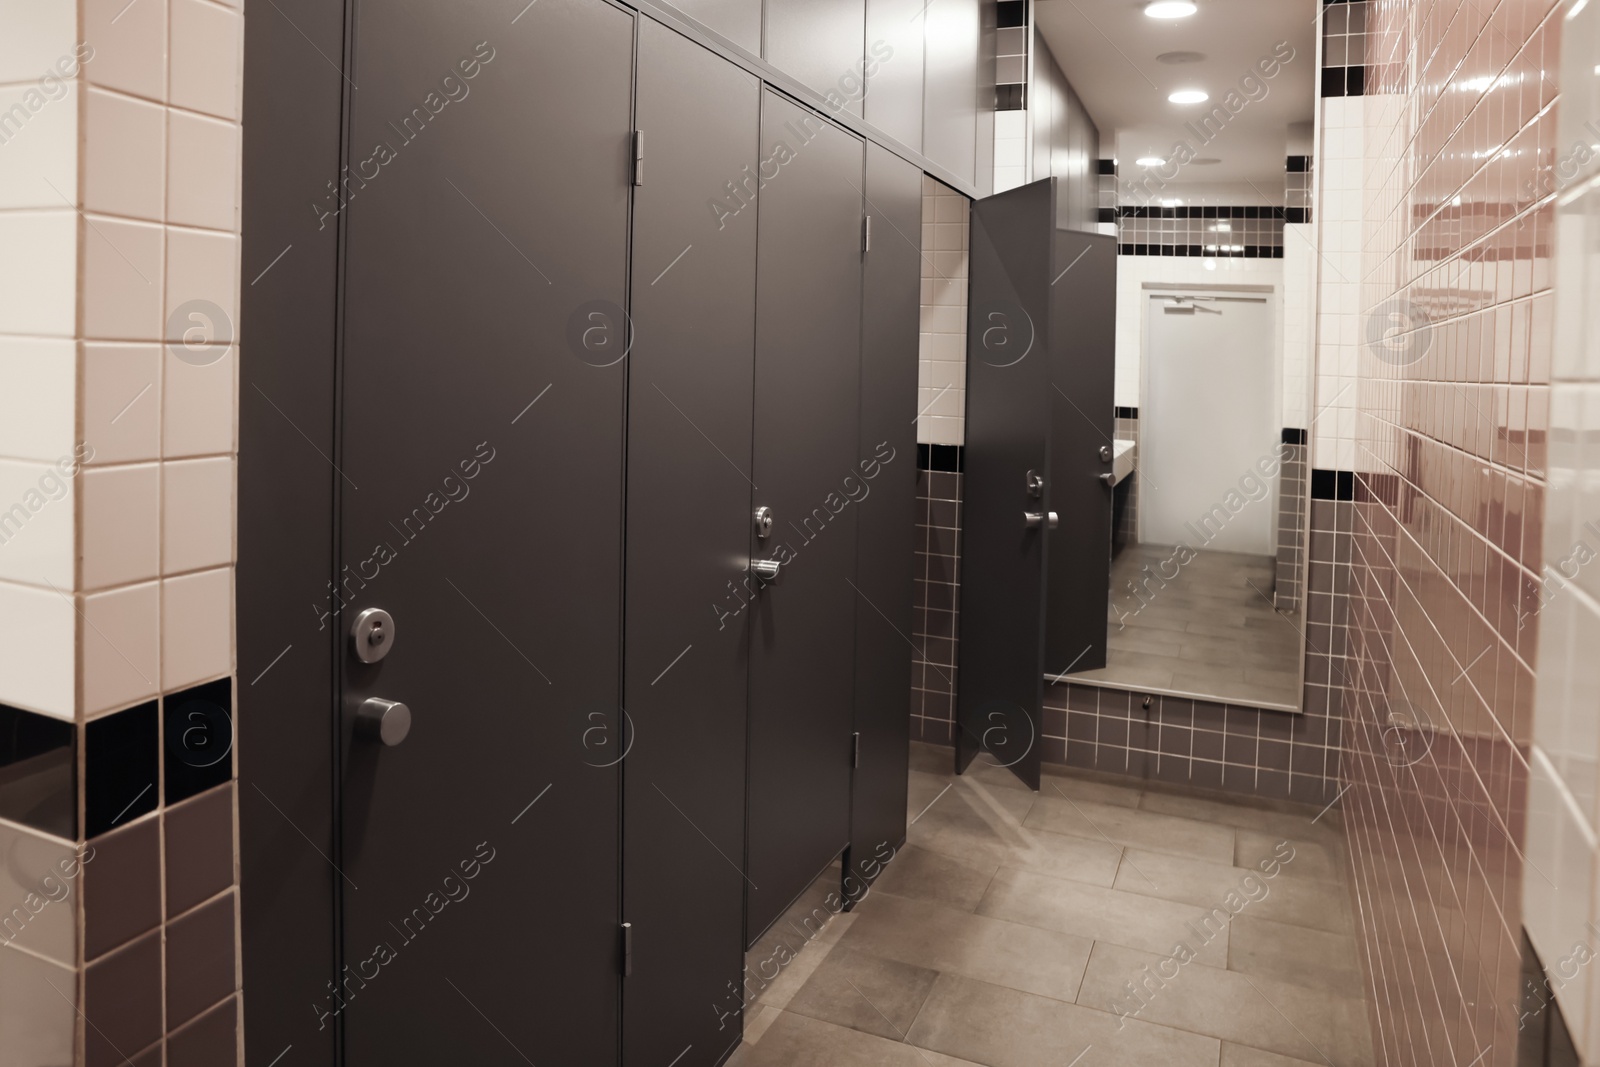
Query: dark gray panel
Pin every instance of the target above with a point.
(808, 299)
(737, 20)
(482, 446)
(1083, 302)
(886, 525)
(894, 69)
(691, 377)
(820, 43)
(286, 720)
(954, 79)
(1007, 435)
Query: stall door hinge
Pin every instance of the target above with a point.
(638, 157)
(866, 234)
(855, 749)
(627, 949)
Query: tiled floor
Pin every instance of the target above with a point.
(1009, 928)
(1183, 635)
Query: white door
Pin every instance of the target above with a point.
(1208, 423)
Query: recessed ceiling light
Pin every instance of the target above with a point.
(1151, 161)
(1175, 58)
(1189, 96)
(1204, 161)
(1170, 9)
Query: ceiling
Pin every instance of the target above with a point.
(1109, 50)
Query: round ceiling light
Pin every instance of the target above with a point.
(1204, 161)
(1170, 9)
(1175, 58)
(1151, 161)
(1189, 96)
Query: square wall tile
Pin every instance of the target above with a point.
(199, 401)
(121, 280)
(207, 42)
(38, 33)
(40, 136)
(124, 155)
(39, 272)
(38, 407)
(197, 627)
(37, 633)
(202, 287)
(121, 768)
(121, 646)
(199, 739)
(209, 1041)
(39, 883)
(202, 171)
(200, 960)
(197, 512)
(38, 774)
(37, 510)
(120, 537)
(130, 46)
(199, 842)
(122, 402)
(121, 887)
(38, 1015)
(122, 1002)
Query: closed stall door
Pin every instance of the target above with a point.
(481, 482)
(681, 745)
(808, 301)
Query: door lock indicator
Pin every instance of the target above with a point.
(372, 635)
(1035, 483)
(763, 520)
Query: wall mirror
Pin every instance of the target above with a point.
(1210, 501)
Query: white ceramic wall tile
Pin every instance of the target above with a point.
(39, 272)
(121, 402)
(39, 136)
(202, 172)
(197, 514)
(201, 281)
(198, 404)
(120, 533)
(121, 646)
(37, 33)
(37, 508)
(197, 627)
(206, 44)
(121, 279)
(130, 46)
(36, 650)
(124, 155)
(39, 400)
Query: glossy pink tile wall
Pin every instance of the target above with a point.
(1452, 409)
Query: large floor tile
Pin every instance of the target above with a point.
(1244, 1056)
(1278, 951)
(865, 992)
(1302, 901)
(800, 1041)
(1321, 860)
(1243, 814)
(1005, 1028)
(1290, 1020)
(1136, 920)
(957, 881)
(1134, 828)
(1046, 962)
(1063, 781)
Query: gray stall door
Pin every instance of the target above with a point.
(482, 506)
(808, 300)
(690, 377)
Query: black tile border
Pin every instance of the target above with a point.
(1127, 413)
(1010, 14)
(1297, 164)
(939, 458)
(1333, 485)
(1201, 211)
(1292, 436)
(121, 761)
(35, 747)
(199, 739)
(1199, 251)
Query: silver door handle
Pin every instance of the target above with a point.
(1108, 478)
(383, 720)
(1038, 518)
(764, 568)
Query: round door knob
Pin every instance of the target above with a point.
(383, 720)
